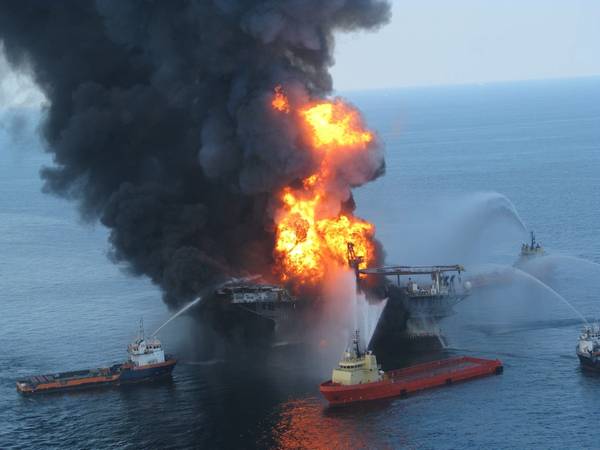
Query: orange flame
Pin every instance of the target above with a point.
(334, 124)
(307, 243)
(280, 101)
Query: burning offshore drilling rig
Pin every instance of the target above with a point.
(201, 134)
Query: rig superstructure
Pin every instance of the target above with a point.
(253, 311)
(418, 297)
(415, 304)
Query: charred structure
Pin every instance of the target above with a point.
(251, 313)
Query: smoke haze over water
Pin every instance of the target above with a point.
(159, 123)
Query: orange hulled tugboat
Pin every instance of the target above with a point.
(359, 378)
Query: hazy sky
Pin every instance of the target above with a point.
(447, 42)
(465, 41)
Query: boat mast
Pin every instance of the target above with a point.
(355, 341)
(141, 332)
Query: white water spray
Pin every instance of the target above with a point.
(199, 299)
(529, 277)
(549, 289)
(367, 316)
(494, 202)
(570, 258)
(177, 314)
(347, 310)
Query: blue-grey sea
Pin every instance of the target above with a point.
(470, 170)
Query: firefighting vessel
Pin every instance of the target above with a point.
(588, 348)
(531, 250)
(147, 361)
(359, 378)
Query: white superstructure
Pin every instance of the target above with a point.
(589, 341)
(143, 352)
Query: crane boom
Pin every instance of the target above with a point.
(411, 270)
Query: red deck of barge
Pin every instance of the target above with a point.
(402, 382)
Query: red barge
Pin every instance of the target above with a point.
(358, 378)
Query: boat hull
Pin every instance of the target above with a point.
(136, 374)
(399, 383)
(589, 363)
(115, 375)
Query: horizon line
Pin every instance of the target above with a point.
(466, 83)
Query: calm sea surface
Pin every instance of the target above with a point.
(465, 167)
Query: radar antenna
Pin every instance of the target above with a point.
(141, 331)
(356, 341)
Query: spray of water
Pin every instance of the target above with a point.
(581, 260)
(367, 316)
(177, 314)
(494, 205)
(548, 258)
(347, 310)
(518, 272)
(199, 299)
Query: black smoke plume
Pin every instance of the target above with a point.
(159, 123)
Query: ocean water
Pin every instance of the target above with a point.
(469, 170)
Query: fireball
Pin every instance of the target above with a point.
(307, 243)
(335, 124)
